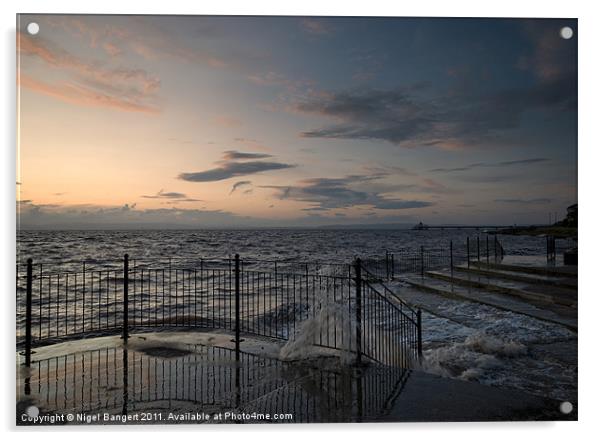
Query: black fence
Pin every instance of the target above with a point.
(118, 381)
(386, 320)
(346, 312)
(395, 264)
(556, 247)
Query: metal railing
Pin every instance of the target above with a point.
(396, 264)
(558, 246)
(391, 329)
(341, 312)
(116, 380)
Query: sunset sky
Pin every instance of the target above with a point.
(184, 121)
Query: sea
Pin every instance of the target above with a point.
(334, 246)
(464, 340)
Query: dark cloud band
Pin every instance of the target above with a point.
(233, 169)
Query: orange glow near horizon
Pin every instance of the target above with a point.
(168, 114)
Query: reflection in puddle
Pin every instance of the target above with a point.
(209, 380)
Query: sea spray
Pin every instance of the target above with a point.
(329, 325)
(332, 324)
(473, 358)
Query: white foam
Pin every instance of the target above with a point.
(471, 359)
(331, 319)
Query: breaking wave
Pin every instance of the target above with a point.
(473, 358)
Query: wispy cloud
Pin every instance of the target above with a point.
(127, 215)
(238, 185)
(525, 201)
(89, 83)
(344, 192)
(492, 164)
(549, 54)
(409, 118)
(235, 155)
(84, 96)
(140, 35)
(233, 169)
(174, 197)
(230, 166)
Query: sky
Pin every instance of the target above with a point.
(209, 121)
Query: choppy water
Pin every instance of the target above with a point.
(477, 342)
(468, 341)
(54, 247)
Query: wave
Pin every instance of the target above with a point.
(473, 358)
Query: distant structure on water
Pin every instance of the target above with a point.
(420, 227)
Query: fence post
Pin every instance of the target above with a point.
(83, 296)
(387, 264)
(419, 324)
(392, 267)
(237, 303)
(495, 248)
(422, 261)
(487, 241)
(358, 310)
(478, 248)
(28, 303)
(451, 257)
(550, 247)
(126, 283)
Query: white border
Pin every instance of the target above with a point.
(590, 162)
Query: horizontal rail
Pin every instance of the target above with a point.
(338, 311)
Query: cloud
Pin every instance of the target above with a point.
(230, 166)
(233, 169)
(408, 118)
(329, 193)
(239, 184)
(128, 216)
(236, 155)
(83, 96)
(141, 36)
(550, 56)
(491, 178)
(524, 201)
(89, 83)
(33, 216)
(174, 197)
(494, 164)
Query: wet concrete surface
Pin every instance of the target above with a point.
(199, 378)
(427, 398)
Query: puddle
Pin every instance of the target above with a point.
(191, 380)
(164, 352)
